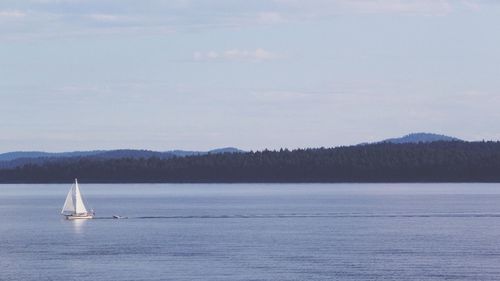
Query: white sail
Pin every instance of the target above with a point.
(74, 206)
(69, 206)
(79, 205)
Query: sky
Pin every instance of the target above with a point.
(203, 74)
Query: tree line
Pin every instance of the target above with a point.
(382, 162)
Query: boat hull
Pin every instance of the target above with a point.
(79, 217)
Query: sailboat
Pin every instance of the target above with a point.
(74, 206)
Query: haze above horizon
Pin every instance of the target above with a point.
(195, 75)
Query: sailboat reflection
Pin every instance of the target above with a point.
(78, 226)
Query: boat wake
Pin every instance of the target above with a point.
(319, 215)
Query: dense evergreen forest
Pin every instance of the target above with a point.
(453, 161)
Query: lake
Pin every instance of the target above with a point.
(253, 232)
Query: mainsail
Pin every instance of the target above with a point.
(74, 201)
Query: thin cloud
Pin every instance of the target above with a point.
(256, 55)
(282, 96)
(472, 5)
(104, 17)
(76, 16)
(270, 18)
(317, 8)
(12, 14)
(433, 7)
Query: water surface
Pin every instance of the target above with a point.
(254, 232)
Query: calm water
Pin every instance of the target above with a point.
(254, 232)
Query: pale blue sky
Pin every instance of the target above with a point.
(201, 74)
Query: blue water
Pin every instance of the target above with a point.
(254, 232)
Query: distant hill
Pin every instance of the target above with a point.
(20, 158)
(182, 153)
(225, 150)
(421, 138)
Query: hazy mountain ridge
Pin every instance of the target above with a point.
(20, 158)
(143, 153)
(8, 156)
(420, 138)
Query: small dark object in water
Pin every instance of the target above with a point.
(119, 217)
